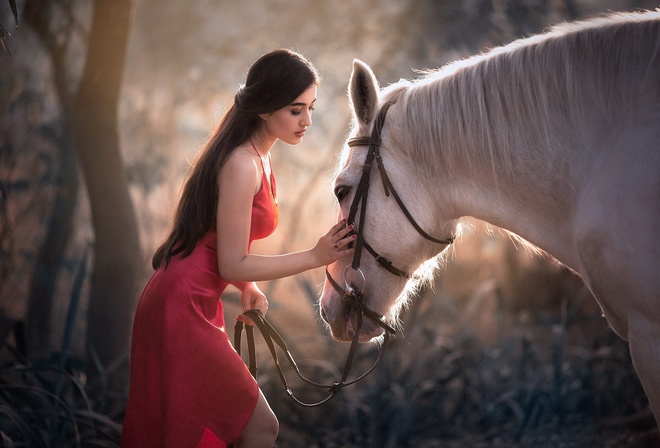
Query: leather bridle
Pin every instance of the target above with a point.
(360, 202)
(351, 294)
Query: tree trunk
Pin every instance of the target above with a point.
(43, 284)
(117, 257)
(92, 118)
(49, 259)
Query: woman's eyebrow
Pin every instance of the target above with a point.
(302, 104)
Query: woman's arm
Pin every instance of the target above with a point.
(239, 180)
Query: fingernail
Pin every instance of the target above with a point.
(351, 227)
(353, 237)
(344, 220)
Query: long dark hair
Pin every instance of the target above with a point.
(275, 80)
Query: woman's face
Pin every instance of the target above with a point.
(290, 122)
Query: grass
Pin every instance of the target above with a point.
(50, 402)
(547, 378)
(45, 404)
(442, 383)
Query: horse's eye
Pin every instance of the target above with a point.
(341, 191)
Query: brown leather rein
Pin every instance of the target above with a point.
(273, 339)
(351, 294)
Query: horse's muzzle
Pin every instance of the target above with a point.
(342, 319)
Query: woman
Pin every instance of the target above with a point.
(189, 387)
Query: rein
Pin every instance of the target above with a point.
(273, 338)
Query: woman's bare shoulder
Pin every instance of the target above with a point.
(241, 166)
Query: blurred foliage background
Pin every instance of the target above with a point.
(508, 348)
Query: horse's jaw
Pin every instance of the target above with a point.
(342, 318)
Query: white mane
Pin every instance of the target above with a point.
(507, 102)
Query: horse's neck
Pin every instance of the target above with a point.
(531, 210)
(530, 193)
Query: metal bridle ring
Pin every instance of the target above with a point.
(349, 288)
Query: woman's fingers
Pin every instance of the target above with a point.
(345, 239)
(340, 230)
(335, 244)
(260, 304)
(253, 300)
(342, 236)
(337, 228)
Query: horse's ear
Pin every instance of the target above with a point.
(363, 92)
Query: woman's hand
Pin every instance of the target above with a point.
(334, 245)
(252, 298)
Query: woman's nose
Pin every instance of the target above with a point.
(306, 119)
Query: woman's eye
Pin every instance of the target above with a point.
(295, 113)
(341, 192)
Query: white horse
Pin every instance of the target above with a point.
(555, 138)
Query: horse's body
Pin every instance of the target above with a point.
(555, 138)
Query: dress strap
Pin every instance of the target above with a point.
(263, 167)
(269, 179)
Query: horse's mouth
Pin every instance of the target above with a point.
(343, 324)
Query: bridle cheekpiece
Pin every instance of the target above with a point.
(360, 202)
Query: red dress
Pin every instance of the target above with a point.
(189, 387)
